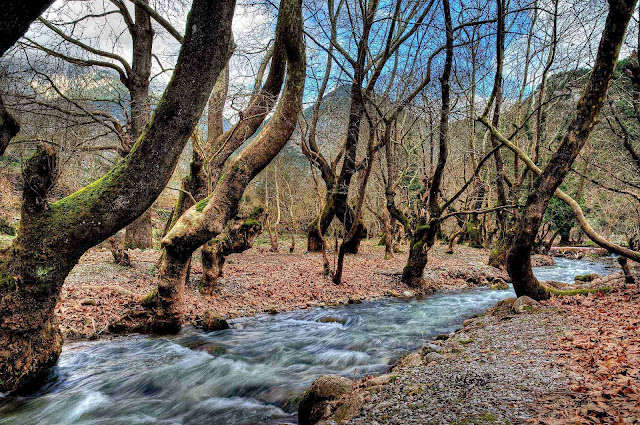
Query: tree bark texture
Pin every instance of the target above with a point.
(238, 237)
(139, 234)
(53, 236)
(16, 17)
(423, 235)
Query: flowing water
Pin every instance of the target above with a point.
(252, 373)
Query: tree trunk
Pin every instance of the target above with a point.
(387, 234)
(588, 110)
(292, 247)
(413, 272)
(474, 226)
(238, 237)
(209, 218)
(212, 262)
(16, 17)
(139, 233)
(9, 127)
(624, 264)
(318, 227)
(120, 255)
(53, 237)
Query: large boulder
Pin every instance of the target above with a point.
(315, 402)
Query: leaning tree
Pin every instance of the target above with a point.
(549, 179)
(53, 235)
(214, 215)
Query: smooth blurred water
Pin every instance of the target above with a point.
(565, 269)
(250, 374)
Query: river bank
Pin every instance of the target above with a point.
(98, 291)
(569, 360)
(256, 371)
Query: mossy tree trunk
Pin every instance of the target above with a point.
(588, 110)
(209, 218)
(208, 161)
(53, 236)
(238, 237)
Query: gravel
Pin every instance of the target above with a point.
(492, 371)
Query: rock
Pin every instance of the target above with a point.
(539, 260)
(589, 277)
(380, 380)
(432, 357)
(272, 311)
(347, 409)
(442, 337)
(314, 404)
(408, 294)
(331, 319)
(430, 348)
(355, 300)
(524, 304)
(410, 360)
(88, 301)
(211, 322)
(499, 284)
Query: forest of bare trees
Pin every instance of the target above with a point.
(175, 164)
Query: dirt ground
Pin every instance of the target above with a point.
(97, 291)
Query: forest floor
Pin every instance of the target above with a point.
(97, 292)
(570, 360)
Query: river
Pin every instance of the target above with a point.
(252, 373)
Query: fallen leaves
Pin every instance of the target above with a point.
(602, 354)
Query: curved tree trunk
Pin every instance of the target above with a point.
(588, 110)
(53, 237)
(238, 237)
(209, 218)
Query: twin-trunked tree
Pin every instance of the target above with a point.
(212, 218)
(53, 236)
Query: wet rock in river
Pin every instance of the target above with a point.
(210, 322)
(499, 284)
(589, 277)
(332, 319)
(316, 401)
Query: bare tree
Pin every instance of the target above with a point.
(53, 236)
